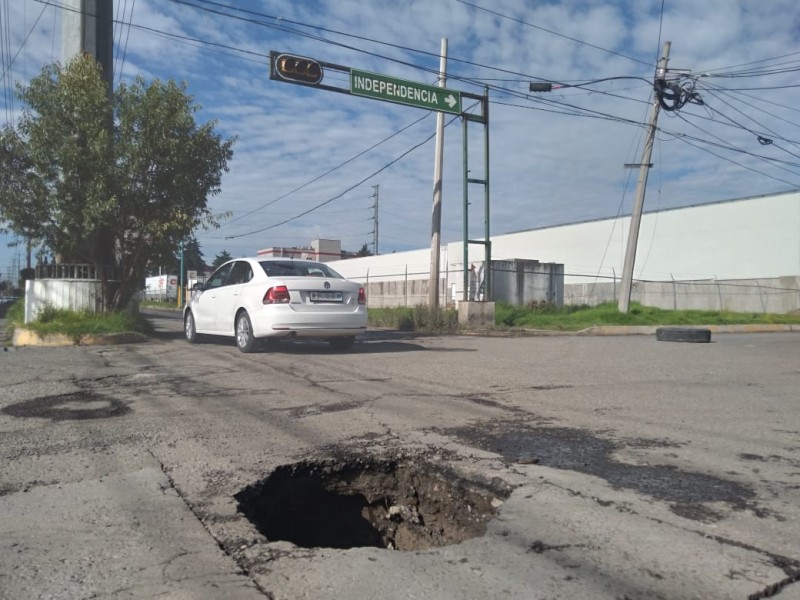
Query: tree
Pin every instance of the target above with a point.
(117, 183)
(221, 258)
(364, 251)
(192, 260)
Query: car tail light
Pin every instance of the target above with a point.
(362, 296)
(277, 295)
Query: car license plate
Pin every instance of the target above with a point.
(325, 296)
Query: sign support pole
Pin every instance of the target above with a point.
(436, 217)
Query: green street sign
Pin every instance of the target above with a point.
(402, 91)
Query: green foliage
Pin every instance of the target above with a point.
(112, 181)
(220, 259)
(418, 318)
(80, 323)
(192, 260)
(15, 315)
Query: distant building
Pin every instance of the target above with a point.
(319, 250)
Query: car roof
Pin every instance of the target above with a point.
(272, 259)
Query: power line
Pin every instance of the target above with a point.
(329, 200)
(747, 64)
(7, 67)
(468, 80)
(127, 37)
(329, 171)
(550, 31)
(685, 139)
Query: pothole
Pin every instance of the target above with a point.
(396, 504)
(76, 406)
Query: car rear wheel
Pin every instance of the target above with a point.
(245, 339)
(189, 328)
(342, 343)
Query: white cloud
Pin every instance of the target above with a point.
(546, 167)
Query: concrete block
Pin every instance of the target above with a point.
(476, 315)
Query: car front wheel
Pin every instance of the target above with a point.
(245, 339)
(189, 328)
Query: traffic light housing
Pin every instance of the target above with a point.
(297, 69)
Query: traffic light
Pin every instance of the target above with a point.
(297, 69)
(541, 87)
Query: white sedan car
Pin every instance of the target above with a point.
(254, 299)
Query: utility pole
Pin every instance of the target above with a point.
(375, 195)
(644, 170)
(436, 217)
(88, 27)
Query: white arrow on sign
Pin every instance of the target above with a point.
(451, 102)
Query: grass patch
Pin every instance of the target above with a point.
(567, 318)
(77, 324)
(575, 318)
(159, 305)
(419, 318)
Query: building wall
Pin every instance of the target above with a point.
(739, 239)
(749, 238)
(730, 245)
(69, 294)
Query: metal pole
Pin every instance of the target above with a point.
(180, 289)
(487, 271)
(644, 170)
(436, 217)
(465, 134)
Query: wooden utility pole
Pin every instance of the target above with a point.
(436, 217)
(641, 186)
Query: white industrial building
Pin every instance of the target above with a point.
(739, 254)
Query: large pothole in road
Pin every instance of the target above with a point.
(397, 504)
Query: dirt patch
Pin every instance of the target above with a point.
(407, 504)
(77, 406)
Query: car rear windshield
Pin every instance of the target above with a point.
(298, 268)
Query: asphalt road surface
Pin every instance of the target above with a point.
(429, 467)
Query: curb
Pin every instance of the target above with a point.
(612, 330)
(26, 337)
(651, 330)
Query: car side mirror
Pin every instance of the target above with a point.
(197, 287)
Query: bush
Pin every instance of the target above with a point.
(418, 318)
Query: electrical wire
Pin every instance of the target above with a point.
(329, 171)
(686, 140)
(561, 35)
(747, 64)
(338, 196)
(563, 108)
(127, 37)
(473, 81)
(7, 67)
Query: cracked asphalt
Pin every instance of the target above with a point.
(636, 469)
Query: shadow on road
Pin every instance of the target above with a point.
(168, 327)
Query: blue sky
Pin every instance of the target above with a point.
(556, 157)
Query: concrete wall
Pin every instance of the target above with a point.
(71, 294)
(523, 282)
(517, 282)
(738, 239)
(747, 240)
(768, 295)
